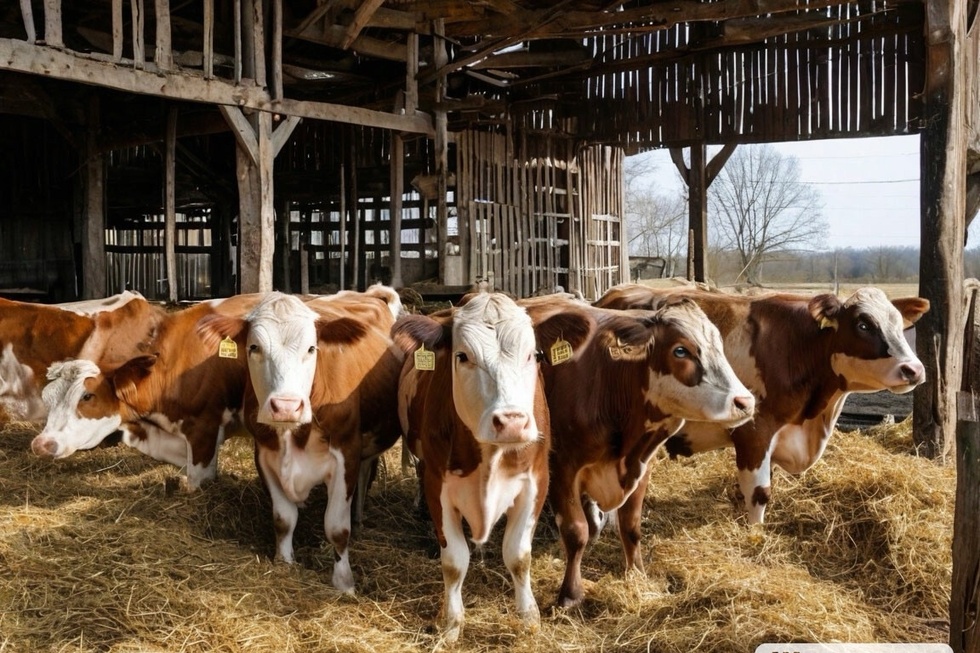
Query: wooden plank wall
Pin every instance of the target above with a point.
(842, 81)
(541, 218)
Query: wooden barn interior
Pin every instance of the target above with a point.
(197, 148)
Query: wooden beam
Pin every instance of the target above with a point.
(258, 42)
(281, 134)
(27, 13)
(139, 52)
(93, 220)
(396, 190)
(525, 59)
(698, 213)
(256, 236)
(117, 30)
(20, 56)
(411, 75)
(333, 36)
(718, 161)
(237, 37)
(276, 89)
(677, 157)
(439, 59)
(243, 132)
(170, 205)
(163, 56)
(52, 23)
(363, 14)
(208, 44)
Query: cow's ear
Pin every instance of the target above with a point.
(627, 338)
(340, 331)
(825, 309)
(911, 308)
(570, 326)
(212, 329)
(410, 331)
(127, 378)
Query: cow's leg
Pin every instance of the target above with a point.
(521, 518)
(203, 442)
(574, 531)
(754, 479)
(336, 520)
(455, 558)
(284, 512)
(629, 517)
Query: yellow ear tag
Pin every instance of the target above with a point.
(227, 348)
(425, 360)
(560, 352)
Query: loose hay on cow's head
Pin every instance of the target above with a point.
(99, 553)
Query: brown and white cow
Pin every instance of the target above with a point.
(172, 405)
(320, 401)
(634, 378)
(33, 336)
(801, 356)
(477, 420)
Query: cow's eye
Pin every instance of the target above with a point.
(88, 396)
(461, 357)
(864, 326)
(539, 356)
(312, 349)
(253, 348)
(681, 352)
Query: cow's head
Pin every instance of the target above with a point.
(869, 350)
(688, 376)
(489, 343)
(85, 404)
(280, 338)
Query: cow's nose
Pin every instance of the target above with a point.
(44, 446)
(285, 408)
(913, 372)
(745, 403)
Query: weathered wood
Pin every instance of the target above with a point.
(283, 245)
(942, 196)
(282, 133)
(963, 611)
(243, 132)
(333, 36)
(256, 222)
(440, 57)
(163, 56)
(27, 14)
(207, 48)
(93, 220)
(411, 75)
(237, 38)
(698, 212)
(362, 16)
(52, 23)
(397, 189)
(170, 205)
(355, 215)
(137, 20)
(343, 227)
(117, 30)
(276, 89)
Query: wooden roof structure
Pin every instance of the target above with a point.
(385, 89)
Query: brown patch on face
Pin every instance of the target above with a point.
(99, 399)
(343, 331)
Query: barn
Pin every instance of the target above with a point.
(194, 149)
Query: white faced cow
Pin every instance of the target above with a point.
(478, 422)
(320, 401)
(801, 356)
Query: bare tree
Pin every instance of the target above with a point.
(656, 223)
(760, 209)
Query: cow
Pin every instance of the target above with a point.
(472, 407)
(33, 336)
(173, 404)
(617, 389)
(320, 400)
(801, 356)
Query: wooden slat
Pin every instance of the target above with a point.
(208, 45)
(137, 20)
(170, 205)
(163, 55)
(52, 23)
(117, 30)
(27, 14)
(276, 89)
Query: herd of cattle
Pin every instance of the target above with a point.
(504, 403)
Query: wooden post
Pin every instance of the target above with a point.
(355, 213)
(52, 23)
(343, 227)
(964, 632)
(117, 30)
(283, 246)
(208, 46)
(698, 212)
(276, 90)
(93, 222)
(27, 14)
(170, 205)
(139, 54)
(943, 205)
(304, 256)
(397, 188)
(164, 56)
(440, 58)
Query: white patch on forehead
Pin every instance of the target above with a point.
(64, 376)
(510, 328)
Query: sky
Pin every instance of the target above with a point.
(869, 187)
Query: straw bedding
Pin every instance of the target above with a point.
(105, 551)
